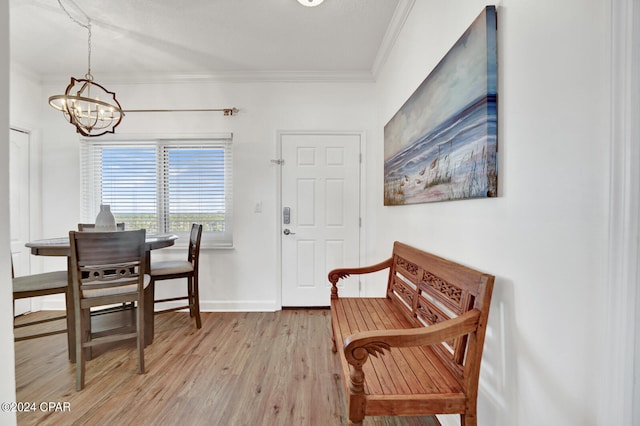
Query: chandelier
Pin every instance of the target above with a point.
(94, 110)
(310, 3)
(91, 108)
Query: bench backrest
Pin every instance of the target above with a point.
(430, 290)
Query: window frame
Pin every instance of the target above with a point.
(91, 178)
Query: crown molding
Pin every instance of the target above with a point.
(389, 40)
(396, 24)
(226, 76)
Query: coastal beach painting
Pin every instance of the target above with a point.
(442, 144)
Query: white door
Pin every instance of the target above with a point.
(320, 214)
(19, 194)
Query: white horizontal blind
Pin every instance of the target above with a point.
(162, 185)
(197, 188)
(129, 185)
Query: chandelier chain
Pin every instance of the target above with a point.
(88, 76)
(87, 105)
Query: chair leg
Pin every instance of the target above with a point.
(80, 351)
(149, 307)
(140, 332)
(192, 306)
(196, 301)
(71, 332)
(86, 334)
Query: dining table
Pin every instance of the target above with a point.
(60, 246)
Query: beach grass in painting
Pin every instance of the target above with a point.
(442, 144)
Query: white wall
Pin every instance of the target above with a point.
(7, 362)
(245, 278)
(545, 236)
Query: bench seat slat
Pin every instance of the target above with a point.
(406, 360)
(426, 374)
(398, 371)
(391, 376)
(377, 380)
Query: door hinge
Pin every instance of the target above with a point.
(279, 162)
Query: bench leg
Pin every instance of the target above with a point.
(468, 420)
(356, 409)
(334, 348)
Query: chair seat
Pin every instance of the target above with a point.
(110, 291)
(170, 267)
(43, 284)
(55, 282)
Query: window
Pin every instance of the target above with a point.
(162, 186)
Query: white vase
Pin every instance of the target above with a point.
(105, 220)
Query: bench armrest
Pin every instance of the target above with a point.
(337, 274)
(359, 346)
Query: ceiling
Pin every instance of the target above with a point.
(228, 39)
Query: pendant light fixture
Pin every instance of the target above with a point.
(310, 3)
(91, 108)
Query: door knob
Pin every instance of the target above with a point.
(288, 232)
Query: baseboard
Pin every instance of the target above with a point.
(205, 306)
(239, 306)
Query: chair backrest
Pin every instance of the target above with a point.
(103, 263)
(91, 226)
(194, 245)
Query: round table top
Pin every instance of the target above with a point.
(60, 246)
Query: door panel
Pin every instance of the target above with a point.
(321, 188)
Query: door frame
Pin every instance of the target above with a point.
(276, 163)
(25, 305)
(621, 361)
(35, 188)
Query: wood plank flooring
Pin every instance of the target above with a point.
(249, 368)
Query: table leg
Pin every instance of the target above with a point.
(71, 323)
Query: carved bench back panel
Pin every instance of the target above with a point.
(422, 284)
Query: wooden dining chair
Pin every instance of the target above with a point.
(172, 269)
(107, 268)
(35, 285)
(92, 226)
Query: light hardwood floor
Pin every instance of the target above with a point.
(239, 369)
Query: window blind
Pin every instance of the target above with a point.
(162, 186)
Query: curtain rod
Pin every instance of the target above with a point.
(226, 111)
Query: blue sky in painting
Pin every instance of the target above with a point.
(458, 79)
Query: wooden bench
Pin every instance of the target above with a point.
(426, 338)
